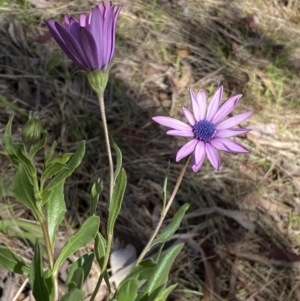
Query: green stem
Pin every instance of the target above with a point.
(108, 148)
(103, 268)
(164, 213)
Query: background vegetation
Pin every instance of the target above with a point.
(242, 230)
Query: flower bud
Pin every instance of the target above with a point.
(31, 132)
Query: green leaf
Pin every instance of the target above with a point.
(100, 250)
(85, 263)
(159, 277)
(165, 293)
(22, 189)
(172, 227)
(128, 290)
(55, 210)
(12, 262)
(77, 279)
(36, 276)
(9, 147)
(143, 270)
(35, 148)
(50, 284)
(116, 201)
(70, 167)
(165, 187)
(85, 234)
(50, 154)
(95, 193)
(119, 160)
(74, 295)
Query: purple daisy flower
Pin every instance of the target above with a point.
(208, 128)
(89, 41)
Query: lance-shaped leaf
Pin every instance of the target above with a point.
(100, 249)
(119, 160)
(74, 295)
(84, 263)
(55, 210)
(66, 172)
(36, 276)
(128, 290)
(85, 234)
(165, 293)
(23, 191)
(172, 227)
(95, 193)
(12, 262)
(116, 201)
(159, 277)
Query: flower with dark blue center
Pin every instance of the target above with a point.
(208, 128)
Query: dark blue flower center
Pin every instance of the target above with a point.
(204, 130)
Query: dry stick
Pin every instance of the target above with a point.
(164, 213)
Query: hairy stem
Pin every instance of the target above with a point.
(108, 148)
(49, 252)
(164, 213)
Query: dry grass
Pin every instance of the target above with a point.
(242, 233)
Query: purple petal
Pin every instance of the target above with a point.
(214, 104)
(233, 146)
(199, 152)
(67, 22)
(196, 167)
(233, 121)
(107, 38)
(189, 116)
(89, 48)
(195, 105)
(172, 123)
(52, 25)
(180, 133)
(83, 19)
(213, 156)
(219, 144)
(201, 99)
(186, 150)
(73, 46)
(96, 29)
(231, 132)
(114, 31)
(226, 108)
